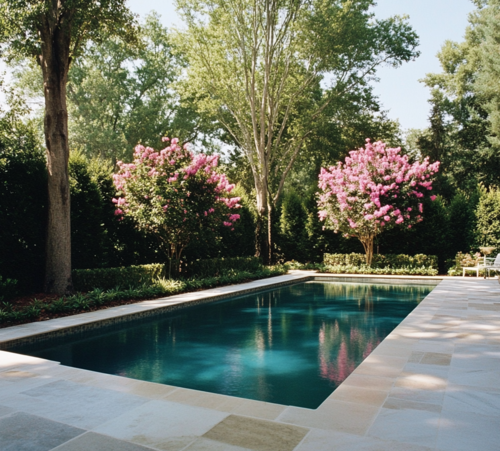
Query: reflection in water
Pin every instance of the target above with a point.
(293, 345)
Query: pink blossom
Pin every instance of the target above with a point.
(433, 198)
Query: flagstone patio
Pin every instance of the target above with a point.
(432, 384)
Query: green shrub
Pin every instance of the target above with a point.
(159, 287)
(364, 269)
(488, 218)
(106, 278)
(8, 289)
(218, 266)
(383, 261)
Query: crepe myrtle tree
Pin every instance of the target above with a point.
(375, 189)
(173, 194)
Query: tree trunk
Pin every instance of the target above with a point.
(269, 234)
(54, 61)
(367, 243)
(261, 237)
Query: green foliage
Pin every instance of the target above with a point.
(464, 260)
(392, 261)
(292, 236)
(8, 289)
(98, 298)
(106, 278)
(488, 218)
(23, 199)
(364, 269)
(218, 266)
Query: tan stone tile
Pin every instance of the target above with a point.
(372, 382)
(356, 394)
(258, 409)
(400, 404)
(352, 418)
(256, 434)
(436, 358)
(393, 351)
(416, 356)
(150, 390)
(431, 396)
(205, 444)
(204, 399)
(421, 381)
(13, 375)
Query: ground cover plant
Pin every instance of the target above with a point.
(30, 308)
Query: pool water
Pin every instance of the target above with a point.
(292, 345)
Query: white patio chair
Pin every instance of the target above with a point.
(491, 264)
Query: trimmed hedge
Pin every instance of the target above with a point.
(107, 278)
(364, 269)
(133, 276)
(218, 266)
(392, 261)
(96, 298)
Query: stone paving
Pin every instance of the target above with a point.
(432, 384)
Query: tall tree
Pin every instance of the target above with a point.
(465, 101)
(53, 32)
(268, 69)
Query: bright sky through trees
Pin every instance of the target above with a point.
(399, 89)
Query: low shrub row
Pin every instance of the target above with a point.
(97, 298)
(364, 269)
(106, 278)
(218, 266)
(393, 261)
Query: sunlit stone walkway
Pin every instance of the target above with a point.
(433, 383)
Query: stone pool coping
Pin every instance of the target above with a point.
(433, 383)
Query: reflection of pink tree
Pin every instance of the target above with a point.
(375, 189)
(338, 369)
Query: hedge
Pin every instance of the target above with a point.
(364, 269)
(97, 298)
(106, 278)
(132, 276)
(218, 266)
(383, 261)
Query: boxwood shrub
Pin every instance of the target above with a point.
(394, 261)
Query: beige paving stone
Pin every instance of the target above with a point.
(162, 424)
(463, 431)
(366, 381)
(258, 409)
(349, 393)
(400, 404)
(431, 396)
(257, 434)
(474, 377)
(319, 440)
(204, 399)
(91, 441)
(150, 389)
(473, 400)
(205, 444)
(353, 418)
(436, 358)
(393, 351)
(407, 426)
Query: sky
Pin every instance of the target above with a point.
(399, 90)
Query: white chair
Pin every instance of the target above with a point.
(491, 264)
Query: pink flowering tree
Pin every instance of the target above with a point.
(174, 194)
(377, 188)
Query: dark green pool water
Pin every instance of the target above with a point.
(293, 345)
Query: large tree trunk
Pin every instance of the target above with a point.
(54, 61)
(261, 237)
(367, 242)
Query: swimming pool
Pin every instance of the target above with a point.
(291, 345)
